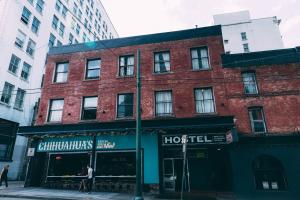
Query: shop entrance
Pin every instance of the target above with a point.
(206, 170)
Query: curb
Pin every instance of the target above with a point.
(35, 197)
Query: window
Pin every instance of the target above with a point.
(67, 164)
(52, 39)
(30, 47)
(7, 139)
(64, 11)
(71, 38)
(58, 43)
(204, 100)
(55, 110)
(61, 30)
(75, 41)
(77, 29)
(161, 62)
(20, 39)
(58, 5)
(35, 25)
(54, 22)
(61, 73)
(25, 71)
(14, 64)
(163, 103)
(257, 120)
(7, 92)
(246, 48)
(126, 65)
(250, 85)
(200, 59)
(81, 2)
(25, 15)
(89, 108)
(226, 41)
(269, 173)
(85, 23)
(93, 69)
(243, 36)
(40, 6)
(125, 105)
(75, 9)
(19, 99)
(83, 37)
(79, 14)
(31, 2)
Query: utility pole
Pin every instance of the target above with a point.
(138, 182)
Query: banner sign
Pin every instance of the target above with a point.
(195, 139)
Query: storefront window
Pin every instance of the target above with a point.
(69, 164)
(115, 164)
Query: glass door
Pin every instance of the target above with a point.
(169, 175)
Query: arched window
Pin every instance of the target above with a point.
(269, 173)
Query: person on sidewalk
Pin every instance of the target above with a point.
(89, 179)
(3, 175)
(83, 184)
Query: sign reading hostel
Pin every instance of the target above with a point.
(194, 139)
(66, 144)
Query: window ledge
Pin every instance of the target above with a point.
(87, 120)
(123, 77)
(52, 123)
(124, 118)
(201, 70)
(251, 95)
(14, 74)
(164, 116)
(5, 104)
(59, 83)
(25, 80)
(162, 73)
(91, 79)
(19, 109)
(205, 114)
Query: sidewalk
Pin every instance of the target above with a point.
(16, 190)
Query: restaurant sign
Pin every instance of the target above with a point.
(66, 144)
(195, 139)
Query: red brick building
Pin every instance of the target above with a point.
(87, 113)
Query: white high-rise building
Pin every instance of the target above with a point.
(27, 29)
(241, 34)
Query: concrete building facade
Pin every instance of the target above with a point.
(27, 29)
(241, 34)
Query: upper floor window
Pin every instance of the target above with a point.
(7, 92)
(35, 25)
(75, 7)
(200, 59)
(19, 99)
(71, 38)
(52, 39)
(257, 120)
(64, 11)
(25, 15)
(246, 48)
(93, 68)
(204, 100)
(162, 62)
(89, 108)
(61, 30)
(40, 6)
(20, 39)
(79, 14)
(58, 5)
(163, 103)
(126, 65)
(25, 71)
(55, 110)
(243, 35)
(77, 29)
(250, 85)
(58, 43)
(54, 22)
(30, 47)
(125, 105)
(61, 73)
(14, 64)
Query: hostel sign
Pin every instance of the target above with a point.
(194, 139)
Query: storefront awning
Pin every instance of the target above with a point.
(213, 123)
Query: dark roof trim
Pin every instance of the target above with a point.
(138, 40)
(270, 139)
(199, 122)
(273, 57)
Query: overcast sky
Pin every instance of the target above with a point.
(136, 17)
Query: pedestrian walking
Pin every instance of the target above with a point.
(3, 175)
(89, 179)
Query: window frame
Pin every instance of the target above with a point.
(18, 99)
(64, 72)
(198, 49)
(126, 57)
(30, 49)
(87, 69)
(244, 36)
(252, 121)
(246, 48)
(35, 27)
(50, 110)
(6, 94)
(26, 19)
(156, 103)
(14, 64)
(252, 83)
(117, 114)
(23, 72)
(203, 101)
(18, 40)
(89, 108)
(154, 62)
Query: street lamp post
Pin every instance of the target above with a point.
(138, 185)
